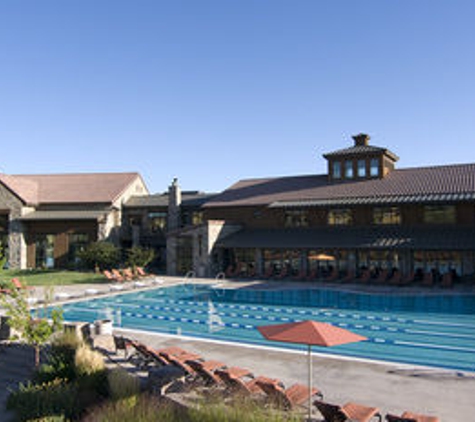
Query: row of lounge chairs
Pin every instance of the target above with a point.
(212, 374)
(126, 274)
(383, 277)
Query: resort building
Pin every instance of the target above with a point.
(364, 218)
(45, 219)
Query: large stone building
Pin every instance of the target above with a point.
(45, 219)
(363, 214)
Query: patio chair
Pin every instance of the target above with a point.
(140, 271)
(112, 277)
(238, 385)
(117, 275)
(428, 279)
(128, 274)
(382, 277)
(206, 371)
(122, 343)
(287, 398)
(411, 417)
(365, 277)
(447, 280)
(18, 285)
(396, 278)
(333, 276)
(353, 412)
(146, 355)
(349, 277)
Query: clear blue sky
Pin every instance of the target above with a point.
(216, 91)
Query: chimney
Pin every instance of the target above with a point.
(362, 139)
(174, 202)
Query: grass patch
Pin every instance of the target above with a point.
(52, 277)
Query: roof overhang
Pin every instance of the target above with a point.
(376, 237)
(46, 215)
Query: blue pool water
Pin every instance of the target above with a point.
(437, 330)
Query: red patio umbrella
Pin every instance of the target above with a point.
(311, 333)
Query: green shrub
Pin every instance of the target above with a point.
(60, 359)
(100, 255)
(33, 401)
(87, 361)
(122, 384)
(139, 257)
(141, 408)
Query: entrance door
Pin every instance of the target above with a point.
(45, 251)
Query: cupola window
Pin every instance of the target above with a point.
(348, 169)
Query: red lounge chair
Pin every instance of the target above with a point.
(396, 278)
(313, 275)
(428, 279)
(206, 370)
(112, 276)
(18, 285)
(411, 417)
(288, 398)
(407, 279)
(269, 273)
(382, 277)
(447, 280)
(365, 277)
(236, 384)
(128, 274)
(353, 412)
(350, 276)
(117, 275)
(300, 276)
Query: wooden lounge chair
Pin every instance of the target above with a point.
(312, 276)
(428, 279)
(396, 278)
(206, 371)
(333, 276)
(112, 276)
(447, 280)
(350, 276)
(128, 274)
(117, 275)
(365, 277)
(300, 276)
(238, 385)
(353, 412)
(382, 277)
(18, 285)
(411, 417)
(287, 398)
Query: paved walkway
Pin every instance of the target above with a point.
(16, 365)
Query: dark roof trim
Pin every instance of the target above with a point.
(44, 215)
(377, 237)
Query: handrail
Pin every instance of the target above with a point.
(220, 276)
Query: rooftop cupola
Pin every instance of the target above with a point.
(361, 161)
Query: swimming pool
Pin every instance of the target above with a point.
(436, 330)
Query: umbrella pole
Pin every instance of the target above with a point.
(310, 382)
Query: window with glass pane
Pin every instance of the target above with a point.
(374, 167)
(157, 221)
(439, 214)
(386, 215)
(296, 218)
(336, 170)
(348, 169)
(361, 168)
(77, 243)
(197, 218)
(342, 216)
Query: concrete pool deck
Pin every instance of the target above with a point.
(391, 387)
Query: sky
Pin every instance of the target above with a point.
(215, 91)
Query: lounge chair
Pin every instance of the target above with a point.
(238, 385)
(396, 278)
(18, 285)
(447, 280)
(312, 276)
(117, 275)
(287, 398)
(333, 276)
(353, 412)
(428, 279)
(382, 277)
(411, 417)
(128, 274)
(122, 343)
(350, 276)
(365, 277)
(206, 371)
(112, 276)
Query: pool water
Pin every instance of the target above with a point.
(437, 330)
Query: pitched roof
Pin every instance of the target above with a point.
(426, 184)
(361, 150)
(68, 188)
(189, 198)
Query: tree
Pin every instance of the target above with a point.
(139, 257)
(27, 324)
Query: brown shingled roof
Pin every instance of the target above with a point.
(420, 182)
(68, 188)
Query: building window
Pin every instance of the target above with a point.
(349, 169)
(296, 218)
(361, 168)
(197, 218)
(157, 221)
(77, 243)
(336, 170)
(387, 215)
(439, 214)
(374, 167)
(44, 246)
(342, 216)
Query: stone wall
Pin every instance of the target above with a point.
(16, 238)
